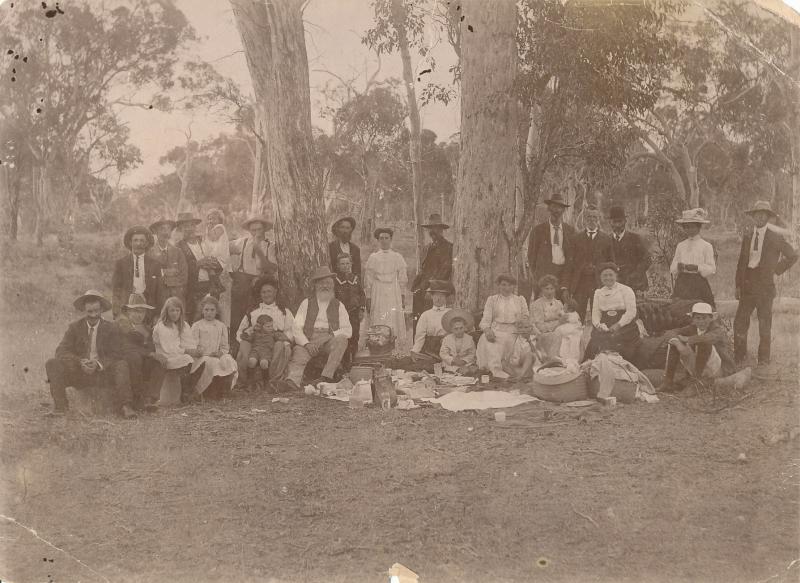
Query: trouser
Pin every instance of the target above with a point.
(352, 344)
(333, 346)
(699, 361)
(277, 364)
(241, 290)
(583, 296)
(762, 303)
(140, 371)
(68, 373)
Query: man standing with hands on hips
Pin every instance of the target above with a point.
(764, 255)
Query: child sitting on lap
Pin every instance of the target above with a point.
(262, 337)
(570, 331)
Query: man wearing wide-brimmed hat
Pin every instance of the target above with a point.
(551, 247)
(256, 257)
(437, 263)
(137, 272)
(694, 259)
(320, 326)
(88, 355)
(764, 255)
(342, 231)
(429, 333)
(201, 265)
(174, 269)
(629, 252)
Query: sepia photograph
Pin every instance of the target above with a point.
(399, 291)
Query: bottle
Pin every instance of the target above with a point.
(384, 395)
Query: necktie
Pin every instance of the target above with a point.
(755, 242)
(253, 251)
(555, 234)
(93, 342)
(137, 266)
(592, 234)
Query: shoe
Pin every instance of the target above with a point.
(128, 412)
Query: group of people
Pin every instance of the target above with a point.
(185, 309)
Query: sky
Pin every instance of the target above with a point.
(333, 42)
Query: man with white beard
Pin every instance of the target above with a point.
(321, 325)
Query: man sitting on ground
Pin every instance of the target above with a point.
(321, 325)
(88, 356)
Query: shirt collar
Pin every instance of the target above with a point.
(588, 232)
(263, 305)
(620, 235)
(90, 326)
(694, 237)
(164, 248)
(763, 229)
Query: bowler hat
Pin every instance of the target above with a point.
(616, 212)
(138, 230)
(380, 230)
(257, 219)
(435, 220)
(93, 295)
(336, 223)
(697, 215)
(322, 272)
(162, 221)
(762, 206)
(557, 198)
(137, 301)
(187, 217)
(457, 314)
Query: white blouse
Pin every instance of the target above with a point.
(281, 321)
(695, 251)
(500, 309)
(619, 297)
(429, 324)
(385, 267)
(172, 343)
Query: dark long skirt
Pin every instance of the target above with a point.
(625, 341)
(692, 286)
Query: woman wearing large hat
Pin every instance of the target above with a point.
(694, 259)
(385, 276)
(429, 331)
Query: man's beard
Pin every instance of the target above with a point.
(324, 294)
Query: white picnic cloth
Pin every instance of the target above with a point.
(458, 401)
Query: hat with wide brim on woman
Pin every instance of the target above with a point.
(762, 206)
(697, 215)
(162, 221)
(138, 230)
(440, 286)
(381, 230)
(93, 295)
(557, 198)
(338, 222)
(137, 301)
(435, 220)
(257, 219)
(457, 314)
(187, 217)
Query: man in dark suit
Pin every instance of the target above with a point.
(187, 223)
(592, 247)
(342, 231)
(630, 253)
(764, 255)
(437, 263)
(137, 272)
(551, 248)
(89, 355)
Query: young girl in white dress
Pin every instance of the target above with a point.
(219, 247)
(176, 349)
(210, 336)
(386, 276)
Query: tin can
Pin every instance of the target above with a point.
(485, 379)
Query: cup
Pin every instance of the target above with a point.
(485, 379)
(500, 416)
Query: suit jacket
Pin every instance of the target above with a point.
(633, 258)
(191, 266)
(717, 336)
(355, 252)
(437, 263)
(172, 259)
(540, 257)
(75, 344)
(776, 257)
(589, 253)
(133, 341)
(122, 281)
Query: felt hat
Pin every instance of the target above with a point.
(702, 308)
(137, 301)
(322, 272)
(616, 212)
(435, 220)
(441, 286)
(762, 206)
(162, 221)
(457, 314)
(557, 198)
(380, 230)
(257, 219)
(337, 222)
(187, 217)
(697, 215)
(92, 294)
(138, 230)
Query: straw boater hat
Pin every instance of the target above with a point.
(322, 272)
(257, 219)
(136, 301)
(336, 223)
(762, 206)
(438, 285)
(162, 221)
(457, 314)
(702, 308)
(557, 198)
(697, 215)
(187, 217)
(435, 220)
(92, 294)
(138, 230)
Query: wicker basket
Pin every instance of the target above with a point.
(575, 389)
(380, 340)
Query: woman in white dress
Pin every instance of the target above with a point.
(176, 349)
(385, 276)
(218, 247)
(504, 315)
(211, 338)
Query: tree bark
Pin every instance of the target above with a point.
(274, 45)
(13, 207)
(484, 211)
(795, 133)
(415, 139)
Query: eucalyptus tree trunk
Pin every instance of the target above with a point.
(487, 176)
(274, 45)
